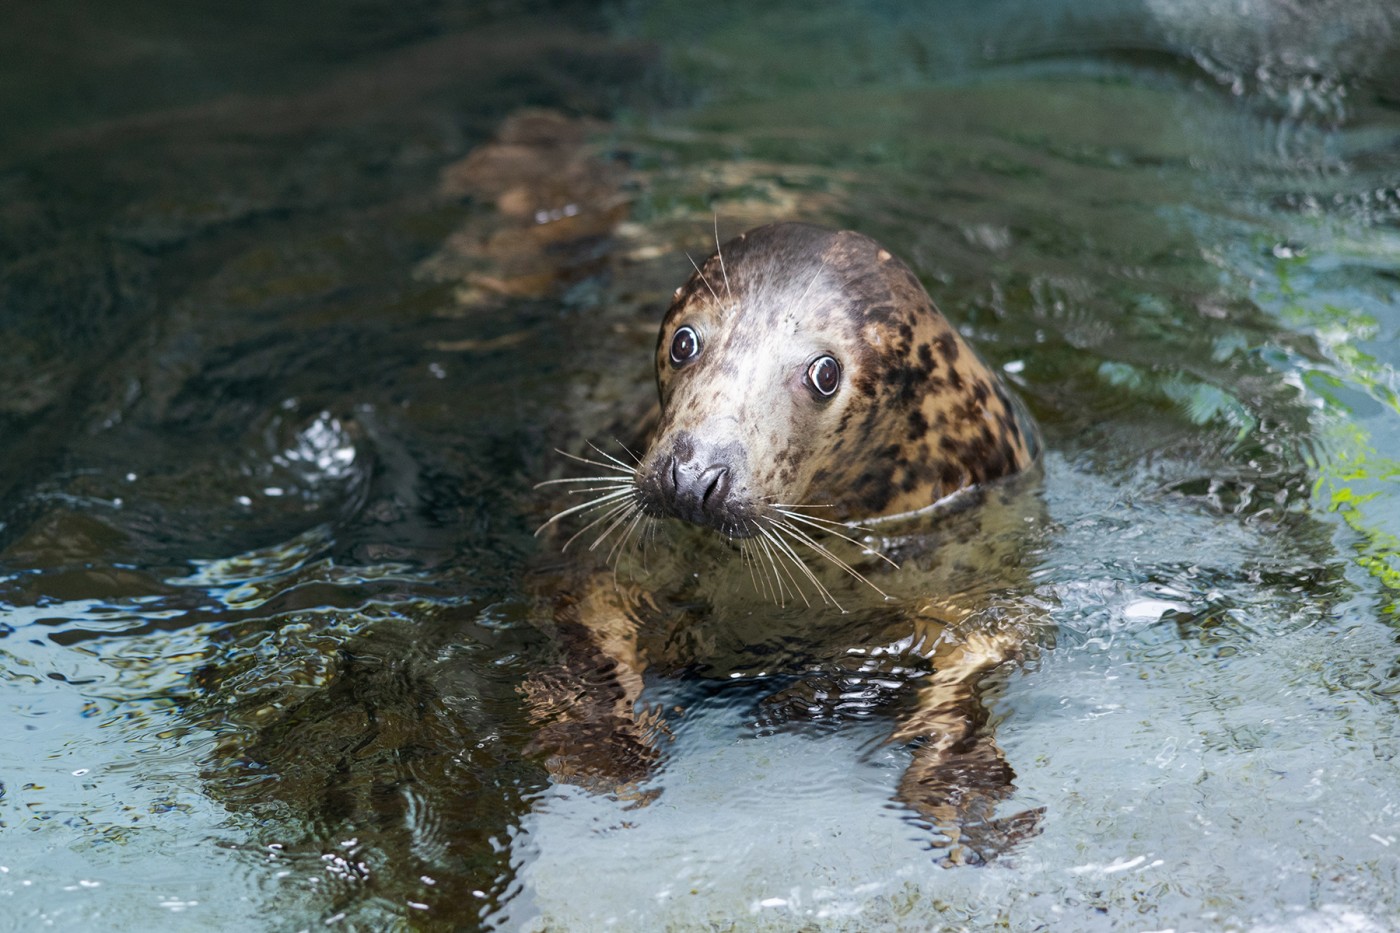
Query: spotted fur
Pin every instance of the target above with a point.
(917, 415)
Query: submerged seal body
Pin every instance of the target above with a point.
(804, 367)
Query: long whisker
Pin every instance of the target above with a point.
(621, 543)
(786, 549)
(616, 466)
(769, 582)
(774, 571)
(703, 278)
(728, 292)
(585, 506)
(799, 535)
(744, 549)
(798, 505)
(613, 496)
(626, 514)
(564, 480)
(629, 469)
(610, 513)
(649, 539)
(831, 528)
(609, 488)
(613, 473)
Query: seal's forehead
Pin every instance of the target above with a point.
(802, 254)
(798, 246)
(798, 276)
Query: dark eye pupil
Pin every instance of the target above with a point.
(684, 345)
(825, 375)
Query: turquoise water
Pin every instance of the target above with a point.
(275, 391)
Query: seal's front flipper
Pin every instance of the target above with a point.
(956, 791)
(591, 748)
(591, 733)
(959, 774)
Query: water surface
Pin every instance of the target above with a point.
(279, 375)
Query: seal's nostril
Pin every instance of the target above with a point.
(671, 478)
(715, 481)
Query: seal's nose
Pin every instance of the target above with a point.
(697, 494)
(706, 484)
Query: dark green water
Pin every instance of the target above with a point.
(275, 391)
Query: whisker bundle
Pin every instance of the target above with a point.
(614, 495)
(838, 529)
(771, 545)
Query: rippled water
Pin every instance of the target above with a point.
(282, 365)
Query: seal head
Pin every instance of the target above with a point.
(805, 368)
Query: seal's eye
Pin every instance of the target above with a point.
(685, 345)
(824, 375)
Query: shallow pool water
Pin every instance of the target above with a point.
(281, 366)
